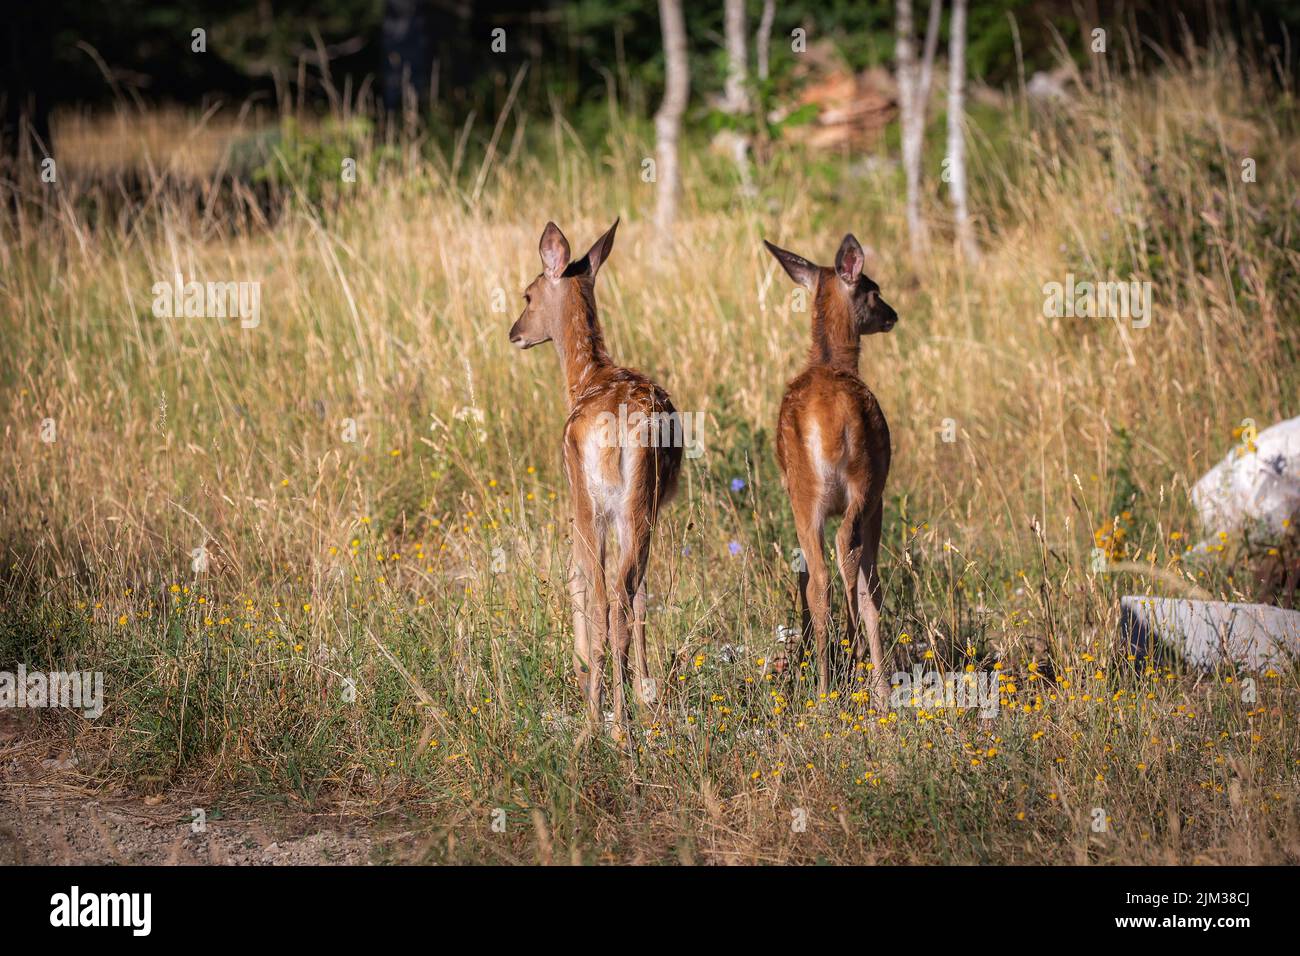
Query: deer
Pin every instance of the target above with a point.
(832, 446)
(621, 463)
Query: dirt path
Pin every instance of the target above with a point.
(50, 813)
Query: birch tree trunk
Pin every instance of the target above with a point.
(914, 81)
(763, 38)
(668, 120)
(763, 50)
(908, 104)
(931, 47)
(735, 96)
(735, 99)
(956, 130)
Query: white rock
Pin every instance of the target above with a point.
(1207, 633)
(1262, 485)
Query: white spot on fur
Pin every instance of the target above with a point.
(830, 489)
(606, 496)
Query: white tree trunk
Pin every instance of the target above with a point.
(913, 99)
(735, 99)
(911, 130)
(735, 95)
(668, 120)
(931, 47)
(763, 39)
(956, 130)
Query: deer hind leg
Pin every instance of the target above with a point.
(578, 597)
(591, 620)
(815, 592)
(634, 553)
(869, 601)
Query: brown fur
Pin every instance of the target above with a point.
(614, 485)
(833, 449)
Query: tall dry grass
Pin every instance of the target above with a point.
(385, 619)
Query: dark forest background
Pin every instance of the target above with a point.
(87, 53)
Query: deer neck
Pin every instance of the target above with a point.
(580, 342)
(835, 341)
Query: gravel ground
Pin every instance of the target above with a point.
(50, 814)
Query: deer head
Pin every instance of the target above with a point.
(547, 298)
(845, 284)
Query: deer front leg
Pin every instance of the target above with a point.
(795, 649)
(620, 640)
(599, 624)
(647, 690)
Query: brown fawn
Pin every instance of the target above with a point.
(621, 464)
(832, 444)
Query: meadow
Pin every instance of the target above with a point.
(326, 556)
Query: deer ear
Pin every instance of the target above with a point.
(555, 251)
(850, 259)
(797, 267)
(601, 249)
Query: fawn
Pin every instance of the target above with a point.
(620, 460)
(832, 445)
